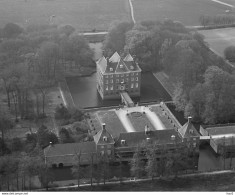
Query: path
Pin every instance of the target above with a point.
(153, 118)
(223, 3)
(132, 11)
(121, 113)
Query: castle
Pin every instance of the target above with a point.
(117, 74)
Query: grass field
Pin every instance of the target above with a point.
(219, 39)
(185, 11)
(84, 15)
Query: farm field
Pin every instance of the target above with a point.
(219, 39)
(185, 11)
(84, 15)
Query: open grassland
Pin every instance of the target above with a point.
(219, 39)
(84, 15)
(185, 11)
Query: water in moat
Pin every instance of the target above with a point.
(85, 94)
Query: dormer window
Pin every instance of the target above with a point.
(121, 66)
(111, 69)
(191, 131)
(123, 142)
(173, 137)
(105, 139)
(132, 67)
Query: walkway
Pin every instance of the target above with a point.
(132, 11)
(122, 115)
(153, 118)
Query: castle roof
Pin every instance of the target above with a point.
(69, 149)
(117, 64)
(103, 133)
(132, 139)
(188, 130)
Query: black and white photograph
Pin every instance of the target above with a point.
(117, 96)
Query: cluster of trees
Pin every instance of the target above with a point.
(146, 41)
(229, 53)
(155, 160)
(211, 101)
(74, 127)
(33, 59)
(221, 19)
(18, 170)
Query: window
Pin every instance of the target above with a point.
(107, 88)
(194, 144)
(117, 87)
(111, 81)
(122, 75)
(109, 152)
(109, 146)
(127, 79)
(107, 81)
(132, 79)
(136, 85)
(111, 76)
(101, 147)
(122, 81)
(132, 85)
(105, 139)
(111, 69)
(132, 74)
(111, 88)
(117, 75)
(102, 153)
(127, 75)
(117, 80)
(136, 74)
(106, 76)
(136, 78)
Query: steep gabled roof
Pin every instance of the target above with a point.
(132, 139)
(188, 130)
(115, 58)
(69, 148)
(102, 63)
(219, 130)
(115, 64)
(121, 67)
(99, 137)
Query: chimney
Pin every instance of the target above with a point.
(146, 129)
(189, 119)
(103, 126)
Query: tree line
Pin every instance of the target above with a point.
(221, 19)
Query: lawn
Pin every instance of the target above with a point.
(185, 11)
(164, 118)
(84, 15)
(139, 121)
(113, 123)
(219, 39)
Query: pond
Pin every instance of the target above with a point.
(85, 94)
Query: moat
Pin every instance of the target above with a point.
(85, 94)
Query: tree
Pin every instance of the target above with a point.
(48, 57)
(137, 164)
(205, 20)
(77, 170)
(5, 125)
(229, 53)
(11, 30)
(45, 136)
(152, 162)
(67, 29)
(115, 39)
